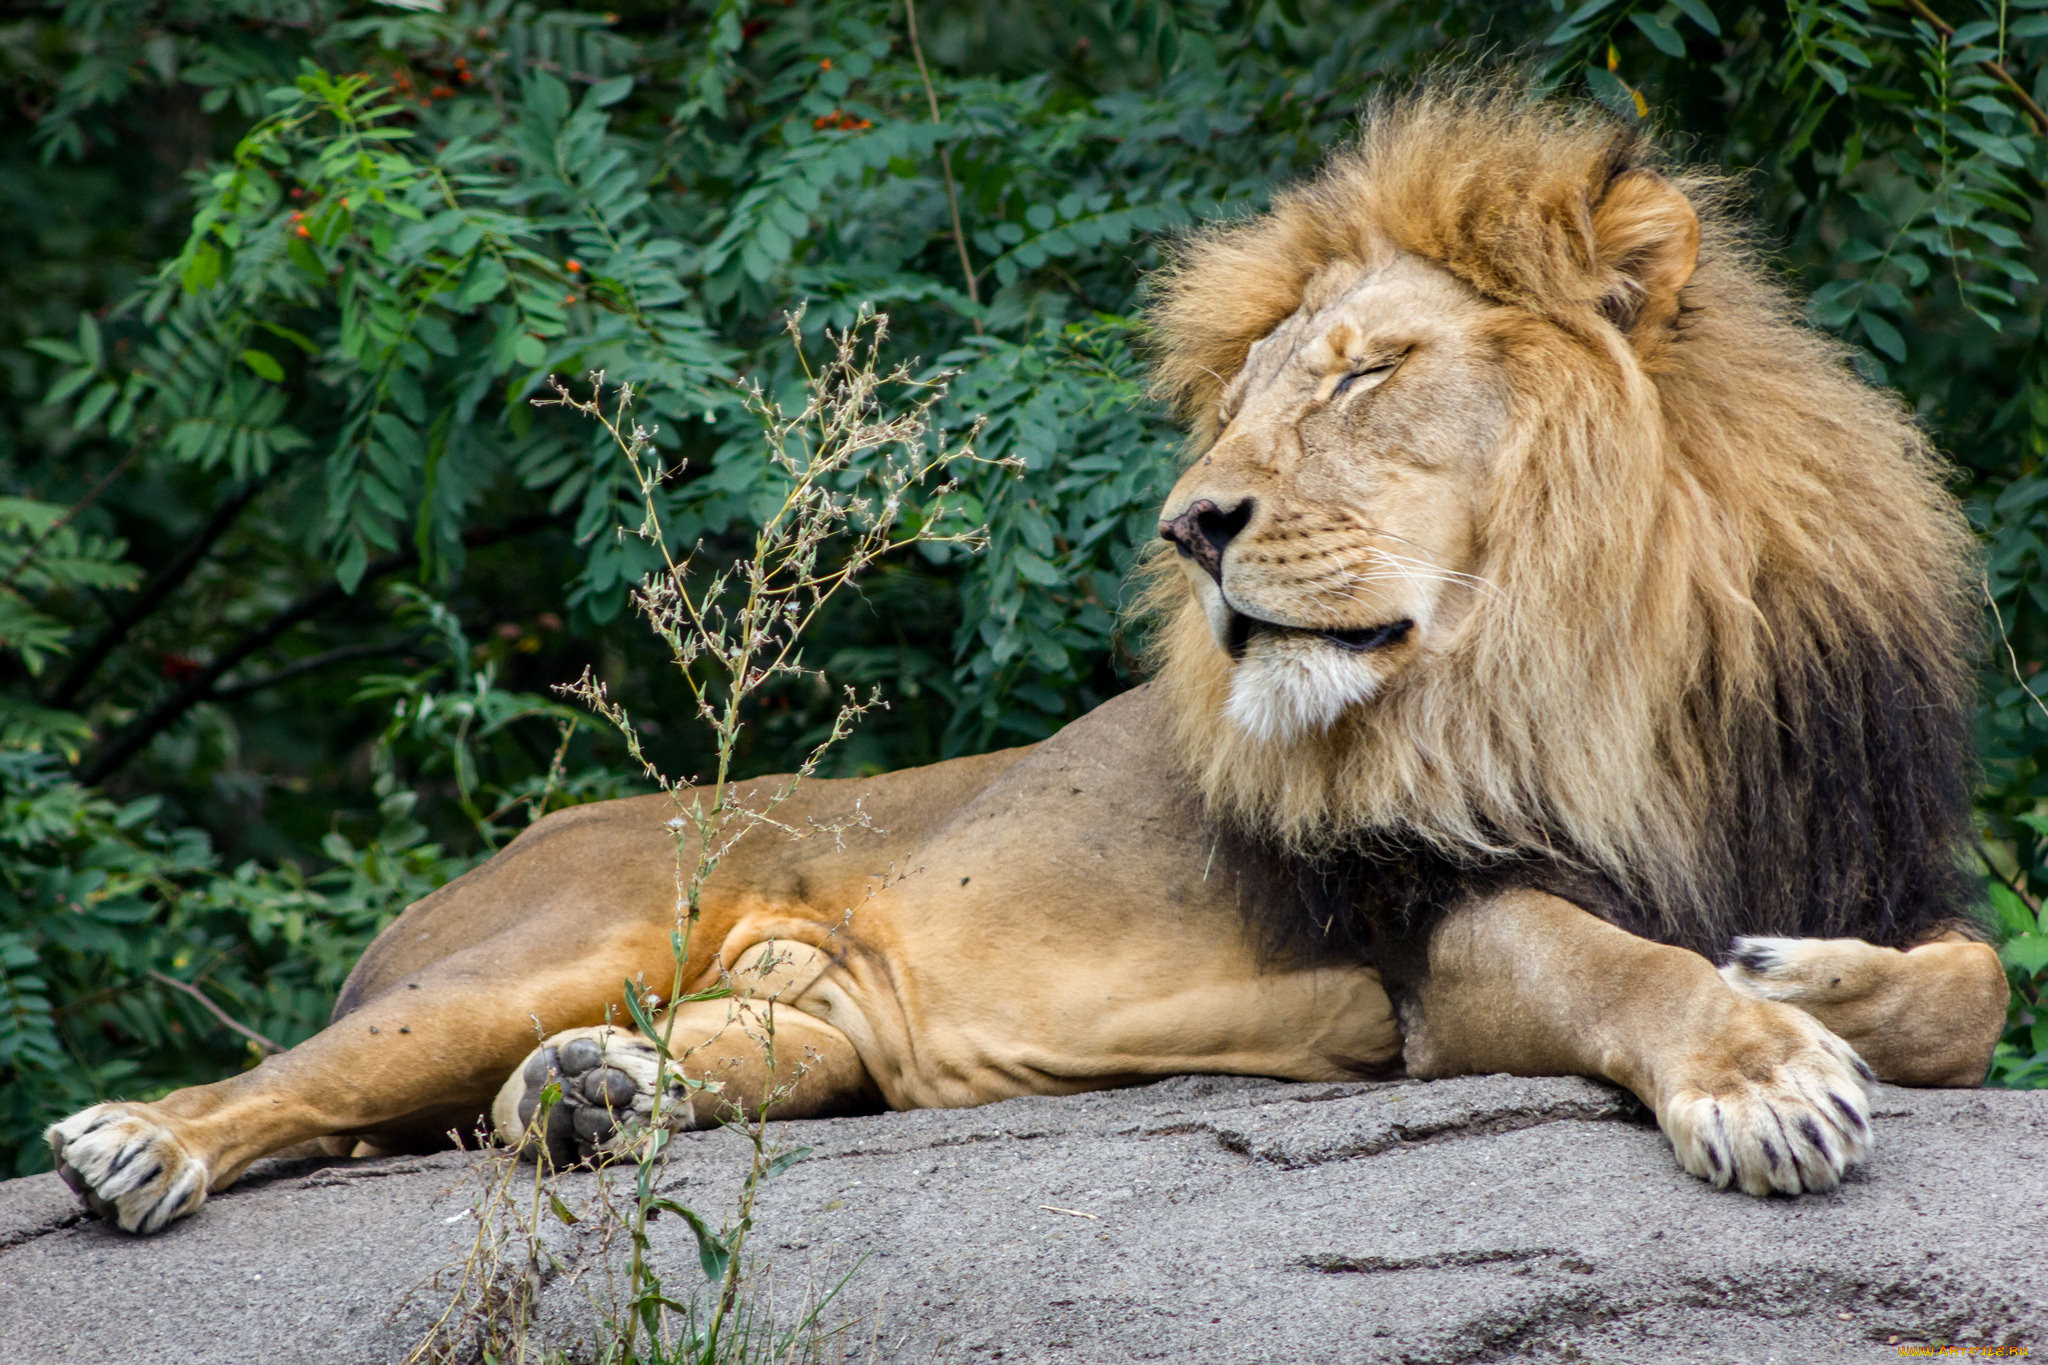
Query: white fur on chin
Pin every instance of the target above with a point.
(1287, 687)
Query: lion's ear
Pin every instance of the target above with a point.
(1646, 241)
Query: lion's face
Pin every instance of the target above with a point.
(1527, 517)
(1328, 533)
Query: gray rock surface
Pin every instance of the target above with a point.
(1201, 1220)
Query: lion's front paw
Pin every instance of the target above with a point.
(128, 1168)
(608, 1077)
(1783, 1106)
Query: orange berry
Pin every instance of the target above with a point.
(572, 265)
(569, 301)
(825, 65)
(443, 92)
(303, 230)
(297, 216)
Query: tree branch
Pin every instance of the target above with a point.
(215, 1010)
(150, 596)
(306, 665)
(1993, 69)
(945, 165)
(117, 751)
(1984, 857)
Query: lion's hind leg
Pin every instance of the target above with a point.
(727, 1059)
(1928, 1015)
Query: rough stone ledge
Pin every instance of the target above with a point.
(1203, 1219)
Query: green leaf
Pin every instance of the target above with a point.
(1883, 336)
(607, 93)
(69, 383)
(264, 365)
(641, 1019)
(1036, 570)
(560, 1209)
(785, 1161)
(487, 280)
(61, 351)
(1611, 91)
(284, 333)
(1571, 27)
(350, 564)
(1697, 11)
(2028, 954)
(712, 1254)
(95, 403)
(547, 97)
(1661, 35)
(2012, 915)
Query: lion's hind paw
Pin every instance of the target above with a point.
(608, 1080)
(1793, 1128)
(128, 1168)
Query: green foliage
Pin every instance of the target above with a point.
(2022, 1057)
(282, 278)
(112, 926)
(46, 566)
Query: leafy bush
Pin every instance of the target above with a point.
(132, 961)
(284, 546)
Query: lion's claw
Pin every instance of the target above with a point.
(127, 1168)
(1794, 1131)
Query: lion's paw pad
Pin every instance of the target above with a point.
(1794, 1131)
(608, 1081)
(127, 1168)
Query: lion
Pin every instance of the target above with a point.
(1543, 609)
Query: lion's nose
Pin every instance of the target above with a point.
(1204, 531)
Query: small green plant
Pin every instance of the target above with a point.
(2021, 1059)
(857, 473)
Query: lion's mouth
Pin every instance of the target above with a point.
(1363, 640)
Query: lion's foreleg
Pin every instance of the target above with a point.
(1750, 1092)
(1929, 1015)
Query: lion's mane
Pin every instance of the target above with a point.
(1722, 666)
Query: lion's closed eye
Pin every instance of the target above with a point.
(1368, 375)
